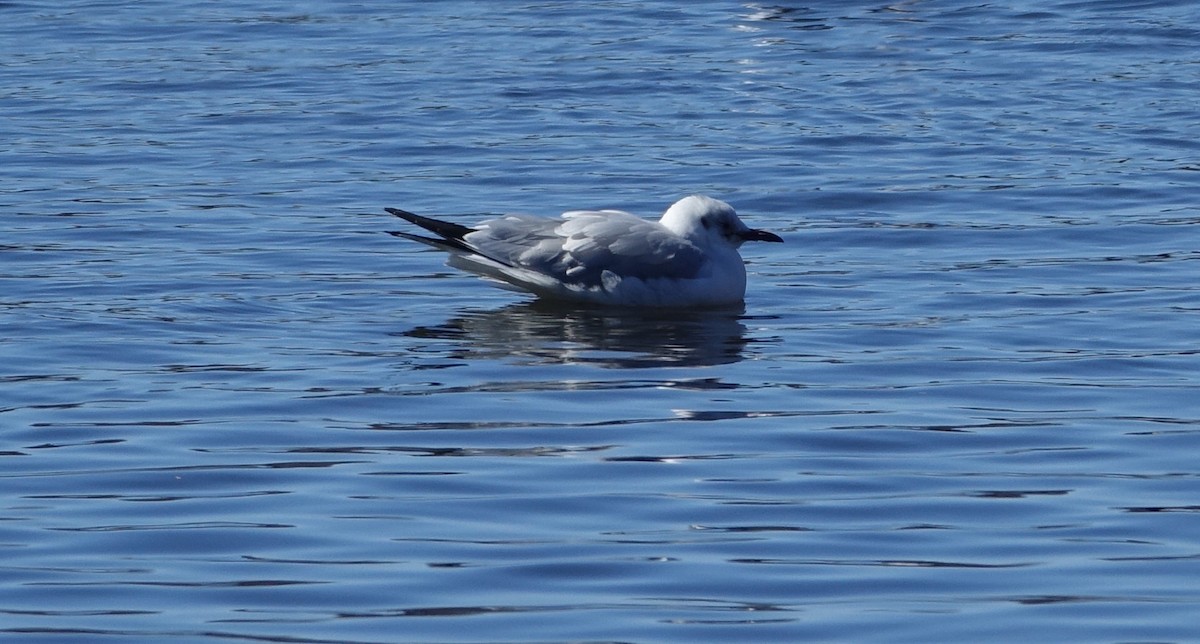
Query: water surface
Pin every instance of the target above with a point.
(960, 402)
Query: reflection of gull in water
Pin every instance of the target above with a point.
(689, 258)
(627, 339)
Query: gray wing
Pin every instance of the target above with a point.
(580, 248)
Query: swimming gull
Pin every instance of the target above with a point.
(606, 257)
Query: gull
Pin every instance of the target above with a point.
(689, 258)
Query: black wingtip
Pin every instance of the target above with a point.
(446, 229)
(403, 214)
(441, 243)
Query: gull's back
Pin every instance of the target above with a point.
(597, 256)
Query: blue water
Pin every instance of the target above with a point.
(962, 402)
